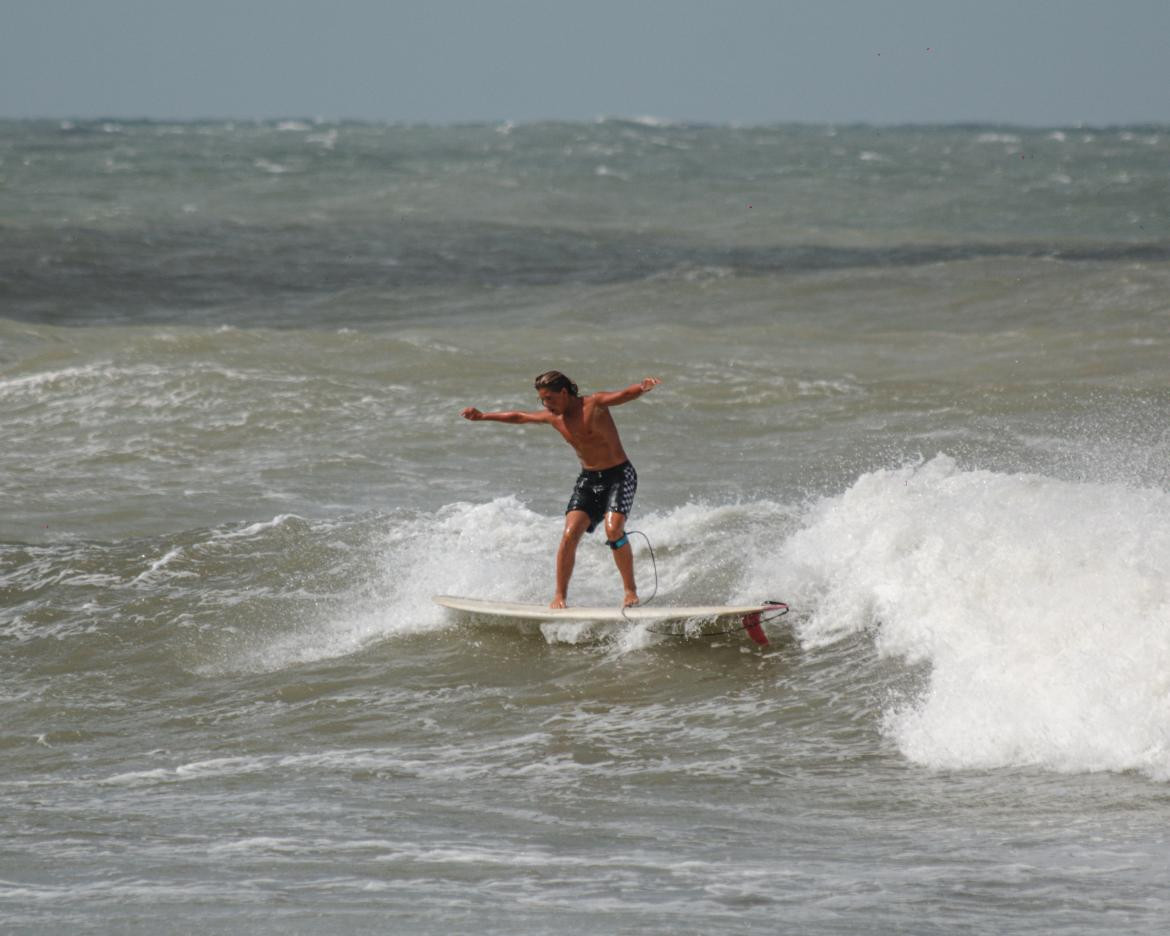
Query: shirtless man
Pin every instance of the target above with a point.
(607, 482)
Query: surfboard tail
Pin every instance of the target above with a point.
(752, 623)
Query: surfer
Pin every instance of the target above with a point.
(605, 487)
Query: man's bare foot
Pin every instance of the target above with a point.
(631, 600)
(557, 603)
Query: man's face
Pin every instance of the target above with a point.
(555, 401)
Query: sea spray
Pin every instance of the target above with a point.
(503, 549)
(1041, 606)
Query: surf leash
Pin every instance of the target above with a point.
(653, 565)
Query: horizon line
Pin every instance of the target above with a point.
(650, 122)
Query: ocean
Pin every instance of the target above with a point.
(914, 383)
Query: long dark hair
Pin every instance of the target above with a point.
(555, 381)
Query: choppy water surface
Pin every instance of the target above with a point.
(914, 385)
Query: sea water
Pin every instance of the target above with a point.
(914, 384)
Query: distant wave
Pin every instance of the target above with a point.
(78, 275)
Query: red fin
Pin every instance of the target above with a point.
(751, 624)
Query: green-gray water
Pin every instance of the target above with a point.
(914, 383)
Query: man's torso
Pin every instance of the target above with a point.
(592, 433)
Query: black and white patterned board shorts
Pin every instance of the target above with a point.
(602, 492)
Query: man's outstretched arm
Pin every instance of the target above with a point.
(511, 416)
(632, 392)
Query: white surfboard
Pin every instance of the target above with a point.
(747, 615)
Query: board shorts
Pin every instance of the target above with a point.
(601, 492)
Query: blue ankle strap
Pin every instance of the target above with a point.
(618, 543)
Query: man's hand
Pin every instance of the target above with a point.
(649, 383)
(472, 413)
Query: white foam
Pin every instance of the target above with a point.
(273, 168)
(96, 371)
(488, 550)
(161, 564)
(327, 140)
(646, 120)
(1041, 606)
(261, 526)
(259, 845)
(605, 172)
(220, 767)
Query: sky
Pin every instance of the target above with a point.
(1029, 62)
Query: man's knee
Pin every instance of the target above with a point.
(615, 530)
(575, 527)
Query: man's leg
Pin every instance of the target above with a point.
(623, 557)
(576, 523)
